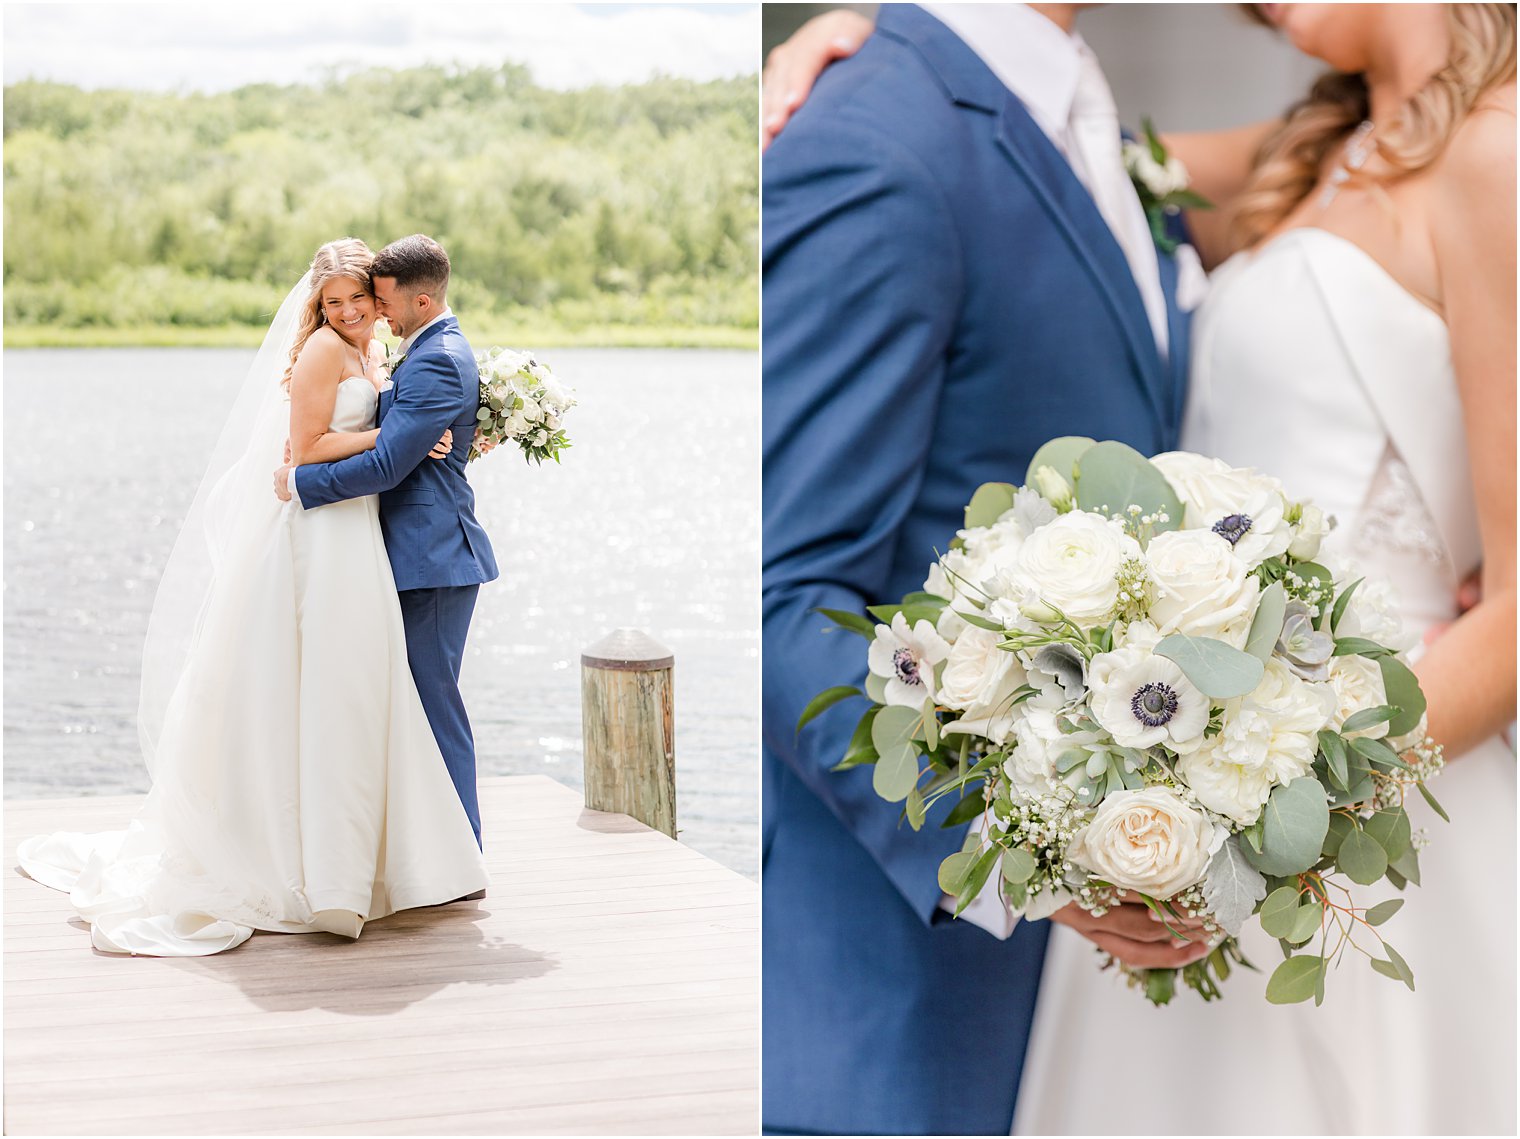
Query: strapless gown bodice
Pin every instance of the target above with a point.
(1312, 364)
(355, 405)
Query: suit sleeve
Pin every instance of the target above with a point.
(862, 279)
(426, 405)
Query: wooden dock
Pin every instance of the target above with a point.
(608, 984)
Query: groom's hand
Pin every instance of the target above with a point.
(282, 483)
(1133, 934)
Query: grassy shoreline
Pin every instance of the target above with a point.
(480, 335)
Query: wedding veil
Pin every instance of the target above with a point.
(234, 497)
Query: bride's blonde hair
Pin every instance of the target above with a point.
(346, 257)
(1289, 164)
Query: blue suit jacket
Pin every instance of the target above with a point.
(427, 509)
(941, 297)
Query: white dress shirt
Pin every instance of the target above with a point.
(402, 349)
(1043, 66)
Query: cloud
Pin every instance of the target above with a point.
(214, 47)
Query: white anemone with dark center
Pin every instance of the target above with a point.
(1142, 700)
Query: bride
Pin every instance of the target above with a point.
(297, 786)
(1358, 342)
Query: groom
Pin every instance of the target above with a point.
(956, 270)
(439, 554)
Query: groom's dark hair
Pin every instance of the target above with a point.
(418, 264)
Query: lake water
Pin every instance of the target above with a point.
(651, 521)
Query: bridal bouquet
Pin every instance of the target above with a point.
(522, 402)
(1141, 684)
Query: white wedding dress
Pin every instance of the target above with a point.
(1312, 364)
(297, 786)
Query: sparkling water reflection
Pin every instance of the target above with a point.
(652, 521)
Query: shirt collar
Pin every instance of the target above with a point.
(406, 344)
(1032, 57)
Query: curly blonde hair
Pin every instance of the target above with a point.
(346, 257)
(1290, 161)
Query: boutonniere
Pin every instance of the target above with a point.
(391, 363)
(1161, 181)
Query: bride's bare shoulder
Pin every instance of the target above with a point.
(1479, 162)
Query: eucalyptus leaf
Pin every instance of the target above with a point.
(1381, 912)
(981, 870)
(1232, 887)
(990, 502)
(1216, 669)
(1403, 689)
(1306, 922)
(1295, 979)
(1360, 646)
(1115, 476)
(1018, 865)
(895, 725)
(1280, 911)
(1390, 827)
(954, 870)
(1402, 971)
(1362, 858)
(826, 700)
(1267, 625)
(896, 772)
(1060, 455)
(914, 807)
(876, 688)
(1340, 826)
(1294, 821)
(1407, 865)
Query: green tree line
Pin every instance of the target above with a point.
(591, 213)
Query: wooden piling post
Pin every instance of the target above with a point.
(628, 728)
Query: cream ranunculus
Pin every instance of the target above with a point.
(1203, 588)
(1268, 737)
(1149, 840)
(1073, 564)
(979, 681)
(1358, 684)
(1247, 509)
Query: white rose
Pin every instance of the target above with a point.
(531, 411)
(1247, 508)
(1073, 564)
(516, 425)
(1313, 526)
(551, 421)
(1149, 840)
(1358, 684)
(979, 681)
(540, 437)
(1144, 700)
(1267, 737)
(1202, 588)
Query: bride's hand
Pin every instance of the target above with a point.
(1132, 933)
(794, 66)
(443, 446)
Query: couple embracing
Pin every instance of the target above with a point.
(957, 269)
(312, 761)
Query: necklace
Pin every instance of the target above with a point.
(1354, 155)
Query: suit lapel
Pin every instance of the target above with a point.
(1072, 209)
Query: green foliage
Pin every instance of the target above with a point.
(1294, 822)
(627, 206)
(1216, 669)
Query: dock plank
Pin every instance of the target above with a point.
(608, 984)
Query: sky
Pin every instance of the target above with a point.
(218, 46)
